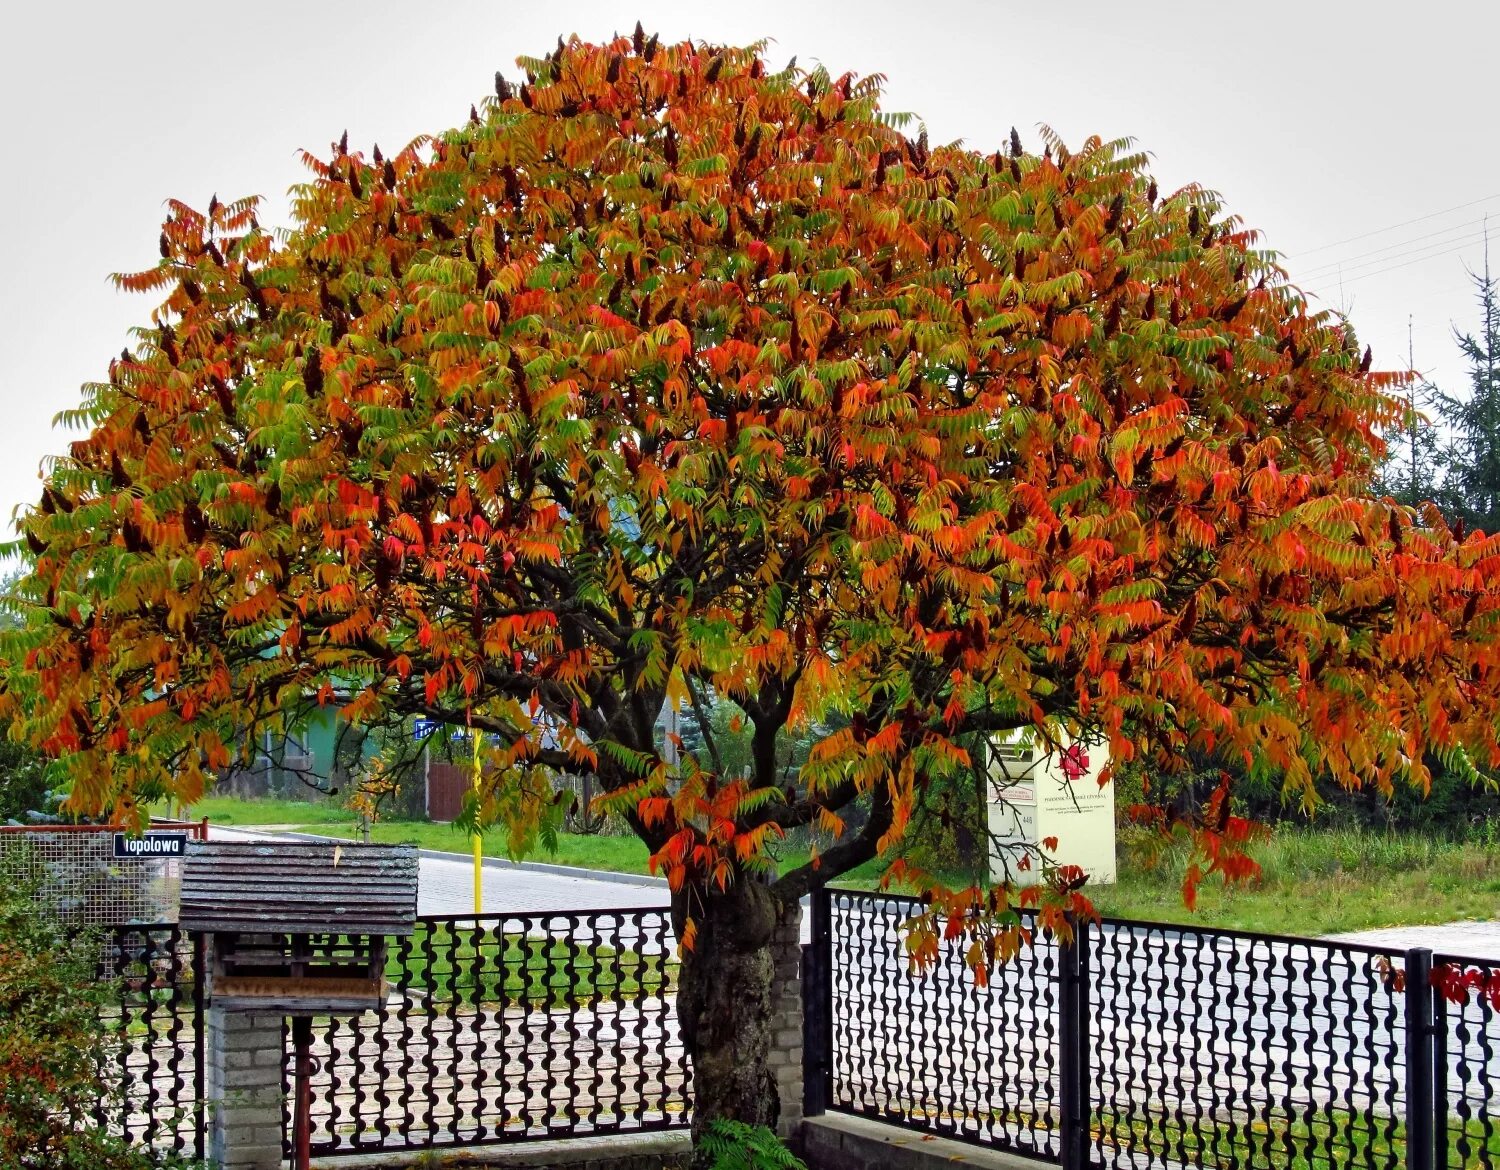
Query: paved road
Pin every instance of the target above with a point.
(446, 885)
(1469, 940)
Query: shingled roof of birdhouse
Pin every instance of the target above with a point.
(298, 887)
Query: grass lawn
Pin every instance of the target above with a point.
(232, 810)
(519, 969)
(1316, 881)
(1325, 1138)
(1324, 881)
(588, 851)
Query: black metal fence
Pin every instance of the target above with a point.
(508, 1028)
(1133, 1045)
(937, 1052)
(1147, 1045)
(155, 1064)
(1466, 1062)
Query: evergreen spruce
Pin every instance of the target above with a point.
(1470, 491)
(1412, 470)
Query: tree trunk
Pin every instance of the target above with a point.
(724, 1003)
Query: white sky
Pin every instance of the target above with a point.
(1319, 121)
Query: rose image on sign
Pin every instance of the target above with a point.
(1074, 762)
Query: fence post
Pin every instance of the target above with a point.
(817, 1008)
(1073, 1046)
(1439, 1082)
(1420, 1095)
(200, 1045)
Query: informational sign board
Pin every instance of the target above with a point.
(422, 728)
(1036, 796)
(150, 845)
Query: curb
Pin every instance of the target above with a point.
(572, 871)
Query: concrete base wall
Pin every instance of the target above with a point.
(836, 1142)
(620, 1152)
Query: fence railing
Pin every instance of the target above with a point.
(1222, 1049)
(937, 1052)
(1148, 1045)
(508, 1028)
(1466, 1062)
(1133, 1045)
(155, 1063)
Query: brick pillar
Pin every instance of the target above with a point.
(244, 1090)
(786, 1018)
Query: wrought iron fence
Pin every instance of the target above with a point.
(507, 1028)
(932, 1049)
(155, 1064)
(1147, 1045)
(1134, 1045)
(1213, 1048)
(1466, 1092)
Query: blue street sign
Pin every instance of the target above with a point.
(422, 728)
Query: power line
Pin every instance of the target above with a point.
(1405, 263)
(1333, 264)
(1344, 269)
(1403, 223)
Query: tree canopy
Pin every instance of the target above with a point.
(668, 373)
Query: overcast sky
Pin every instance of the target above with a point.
(1361, 143)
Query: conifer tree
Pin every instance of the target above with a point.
(1470, 492)
(1412, 471)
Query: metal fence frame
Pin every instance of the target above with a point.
(1465, 1094)
(508, 1028)
(1156, 1045)
(155, 1062)
(1101, 1027)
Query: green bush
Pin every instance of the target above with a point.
(52, 1041)
(1453, 809)
(733, 1145)
(23, 782)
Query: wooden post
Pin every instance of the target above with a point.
(302, 1118)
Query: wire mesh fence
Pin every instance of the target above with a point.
(82, 883)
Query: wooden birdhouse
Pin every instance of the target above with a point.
(298, 928)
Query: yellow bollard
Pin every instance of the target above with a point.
(478, 850)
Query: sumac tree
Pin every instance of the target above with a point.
(668, 374)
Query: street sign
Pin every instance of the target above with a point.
(422, 728)
(151, 845)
